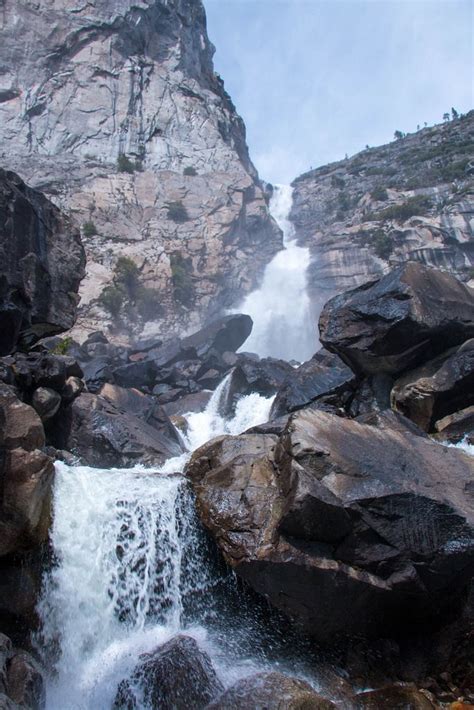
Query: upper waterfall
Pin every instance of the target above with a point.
(280, 308)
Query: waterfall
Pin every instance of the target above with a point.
(280, 308)
(130, 561)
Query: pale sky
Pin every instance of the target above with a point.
(316, 79)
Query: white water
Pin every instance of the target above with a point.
(131, 566)
(280, 309)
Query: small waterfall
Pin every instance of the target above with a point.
(280, 308)
(130, 561)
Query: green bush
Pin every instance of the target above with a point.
(379, 193)
(190, 171)
(181, 276)
(63, 346)
(125, 165)
(417, 205)
(126, 275)
(379, 241)
(177, 211)
(112, 299)
(89, 229)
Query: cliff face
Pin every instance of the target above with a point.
(410, 200)
(113, 110)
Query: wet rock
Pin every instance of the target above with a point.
(177, 676)
(272, 691)
(42, 265)
(405, 318)
(438, 388)
(7, 704)
(456, 427)
(348, 528)
(25, 684)
(101, 434)
(140, 374)
(46, 402)
(196, 402)
(5, 652)
(324, 379)
(97, 372)
(395, 697)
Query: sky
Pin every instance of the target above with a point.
(317, 79)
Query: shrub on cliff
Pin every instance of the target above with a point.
(125, 165)
(181, 276)
(416, 205)
(112, 299)
(190, 171)
(379, 193)
(177, 211)
(89, 229)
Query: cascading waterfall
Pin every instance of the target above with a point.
(130, 564)
(280, 308)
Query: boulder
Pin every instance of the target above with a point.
(46, 402)
(226, 334)
(103, 435)
(438, 388)
(177, 676)
(403, 319)
(25, 684)
(324, 379)
(395, 697)
(272, 691)
(141, 374)
(26, 476)
(348, 528)
(42, 265)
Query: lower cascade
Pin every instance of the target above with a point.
(280, 308)
(132, 570)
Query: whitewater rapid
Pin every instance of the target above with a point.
(283, 326)
(132, 569)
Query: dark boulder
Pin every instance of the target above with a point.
(103, 435)
(141, 374)
(177, 676)
(271, 691)
(324, 379)
(438, 388)
(226, 334)
(348, 528)
(42, 265)
(395, 323)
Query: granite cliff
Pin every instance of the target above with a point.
(409, 200)
(114, 111)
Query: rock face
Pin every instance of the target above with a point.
(409, 200)
(177, 676)
(272, 691)
(26, 475)
(405, 318)
(383, 515)
(42, 264)
(115, 112)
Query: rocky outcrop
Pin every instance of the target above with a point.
(393, 324)
(176, 676)
(395, 696)
(26, 475)
(438, 389)
(323, 381)
(335, 504)
(115, 112)
(272, 691)
(101, 431)
(409, 200)
(42, 265)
